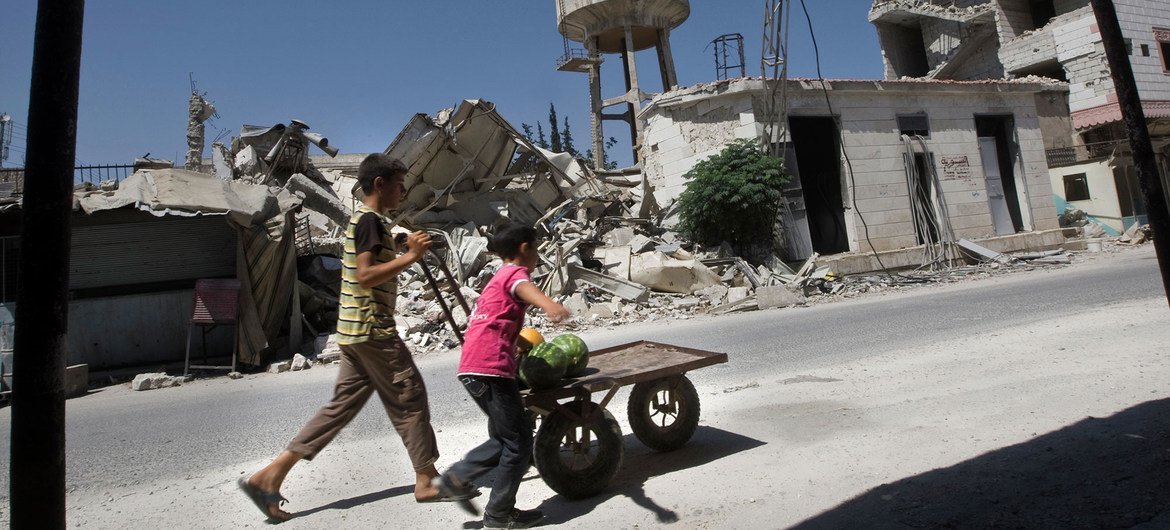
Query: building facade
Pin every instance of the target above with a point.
(872, 159)
(1057, 39)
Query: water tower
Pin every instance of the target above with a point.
(621, 27)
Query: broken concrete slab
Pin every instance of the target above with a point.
(615, 261)
(735, 294)
(663, 273)
(983, 253)
(640, 243)
(577, 305)
(299, 362)
(772, 296)
(279, 367)
(626, 289)
(319, 198)
(620, 236)
(715, 293)
(152, 381)
(247, 162)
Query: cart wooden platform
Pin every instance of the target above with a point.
(578, 447)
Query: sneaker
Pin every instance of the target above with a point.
(461, 495)
(514, 519)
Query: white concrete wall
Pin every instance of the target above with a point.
(875, 150)
(1102, 203)
(1079, 50)
(1138, 19)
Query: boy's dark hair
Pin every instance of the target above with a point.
(508, 237)
(378, 165)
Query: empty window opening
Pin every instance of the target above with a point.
(914, 125)
(1043, 11)
(905, 49)
(1076, 187)
(1162, 36)
(1145, 50)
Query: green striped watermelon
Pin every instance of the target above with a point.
(578, 353)
(544, 366)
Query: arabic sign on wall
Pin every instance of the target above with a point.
(955, 167)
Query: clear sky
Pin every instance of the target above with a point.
(356, 71)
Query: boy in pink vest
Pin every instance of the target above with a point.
(488, 370)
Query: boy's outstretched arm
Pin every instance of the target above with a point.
(371, 273)
(532, 294)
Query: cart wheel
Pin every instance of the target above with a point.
(664, 413)
(577, 456)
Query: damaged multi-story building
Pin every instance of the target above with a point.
(1006, 39)
(891, 172)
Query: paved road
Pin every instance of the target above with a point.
(117, 437)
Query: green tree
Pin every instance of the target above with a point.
(554, 136)
(567, 139)
(733, 196)
(540, 141)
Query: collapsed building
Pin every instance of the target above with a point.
(1092, 168)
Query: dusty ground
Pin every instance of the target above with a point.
(1059, 423)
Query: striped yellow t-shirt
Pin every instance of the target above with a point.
(365, 313)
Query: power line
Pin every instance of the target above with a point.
(841, 140)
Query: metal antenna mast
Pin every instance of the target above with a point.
(774, 69)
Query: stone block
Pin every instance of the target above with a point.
(76, 380)
(735, 294)
(278, 367)
(299, 362)
(771, 296)
(152, 381)
(577, 305)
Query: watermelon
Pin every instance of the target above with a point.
(544, 366)
(578, 353)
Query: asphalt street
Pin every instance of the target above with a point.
(117, 437)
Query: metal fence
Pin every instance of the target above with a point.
(81, 174)
(98, 174)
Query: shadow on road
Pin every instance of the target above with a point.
(1097, 473)
(351, 502)
(640, 464)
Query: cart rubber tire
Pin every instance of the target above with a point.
(591, 475)
(647, 414)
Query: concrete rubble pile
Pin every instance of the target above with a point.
(604, 251)
(1136, 235)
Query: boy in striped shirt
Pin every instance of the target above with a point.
(373, 357)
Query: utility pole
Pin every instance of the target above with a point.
(1139, 136)
(37, 484)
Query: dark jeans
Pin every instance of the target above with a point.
(509, 445)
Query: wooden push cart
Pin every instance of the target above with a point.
(578, 447)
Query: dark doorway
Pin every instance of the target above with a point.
(1001, 128)
(818, 161)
